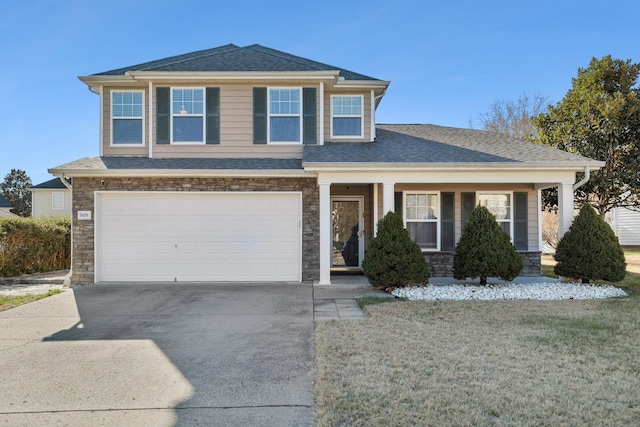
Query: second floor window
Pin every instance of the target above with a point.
(284, 115)
(127, 118)
(187, 115)
(346, 116)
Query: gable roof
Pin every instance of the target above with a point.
(430, 145)
(54, 183)
(4, 204)
(230, 58)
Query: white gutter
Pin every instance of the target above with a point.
(183, 173)
(64, 181)
(584, 180)
(424, 167)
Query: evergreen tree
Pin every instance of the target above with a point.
(484, 250)
(590, 250)
(15, 188)
(393, 259)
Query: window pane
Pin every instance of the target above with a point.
(424, 234)
(285, 129)
(347, 126)
(498, 204)
(127, 131)
(187, 129)
(506, 227)
(284, 101)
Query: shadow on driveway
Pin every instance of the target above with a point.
(201, 354)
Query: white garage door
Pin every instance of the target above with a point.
(158, 236)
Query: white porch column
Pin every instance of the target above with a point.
(565, 208)
(325, 234)
(375, 209)
(388, 200)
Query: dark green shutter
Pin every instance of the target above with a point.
(259, 115)
(397, 200)
(213, 115)
(309, 115)
(447, 227)
(162, 115)
(468, 205)
(521, 225)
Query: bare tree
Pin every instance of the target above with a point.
(513, 118)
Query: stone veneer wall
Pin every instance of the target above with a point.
(441, 263)
(83, 200)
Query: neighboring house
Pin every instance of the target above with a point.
(626, 225)
(251, 164)
(5, 208)
(51, 198)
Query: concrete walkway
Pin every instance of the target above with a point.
(338, 300)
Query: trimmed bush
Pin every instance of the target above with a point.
(484, 250)
(590, 250)
(30, 245)
(393, 259)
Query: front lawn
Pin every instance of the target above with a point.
(523, 363)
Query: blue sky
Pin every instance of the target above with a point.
(447, 61)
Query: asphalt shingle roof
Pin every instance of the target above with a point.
(125, 163)
(438, 144)
(52, 183)
(234, 58)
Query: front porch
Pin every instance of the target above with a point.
(362, 204)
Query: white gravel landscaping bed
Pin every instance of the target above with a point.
(510, 291)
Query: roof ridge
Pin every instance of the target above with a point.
(211, 52)
(161, 62)
(294, 58)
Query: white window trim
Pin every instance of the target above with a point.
(438, 220)
(142, 144)
(511, 203)
(203, 115)
(361, 116)
(53, 201)
(269, 115)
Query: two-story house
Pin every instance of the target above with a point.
(251, 164)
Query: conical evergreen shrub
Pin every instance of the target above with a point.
(590, 250)
(484, 250)
(393, 259)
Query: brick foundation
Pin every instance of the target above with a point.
(85, 188)
(441, 263)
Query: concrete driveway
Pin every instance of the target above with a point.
(161, 355)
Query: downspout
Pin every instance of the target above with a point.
(584, 180)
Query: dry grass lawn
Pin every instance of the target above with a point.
(495, 363)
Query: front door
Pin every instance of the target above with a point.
(347, 234)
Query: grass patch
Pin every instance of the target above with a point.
(524, 363)
(373, 300)
(8, 302)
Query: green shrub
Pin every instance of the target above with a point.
(484, 250)
(393, 259)
(590, 250)
(32, 245)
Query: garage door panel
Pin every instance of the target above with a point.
(199, 237)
